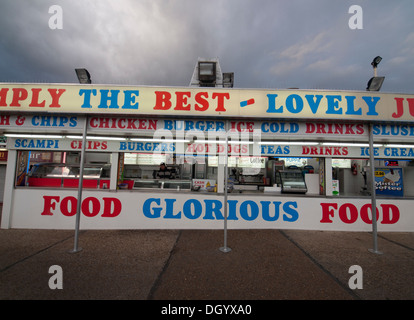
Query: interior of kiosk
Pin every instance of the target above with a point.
(246, 174)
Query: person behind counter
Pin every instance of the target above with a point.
(162, 173)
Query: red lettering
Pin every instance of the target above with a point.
(339, 129)
(352, 210)
(92, 123)
(141, 124)
(121, 124)
(364, 213)
(310, 128)
(359, 128)
(117, 207)
(48, 205)
(104, 123)
(220, 100)
(327, 212)
(74, 144)
(152, 124)
(3, 95)
(91, 207)
(181, 104)
(55, 94)
(162, 100)
(4, 120)
(35, 99)
(64, 206)
(320, 128)
(387, 210)
(348, 213)
(349, 129)
(18, 95)
(400, 108)
(200, 100)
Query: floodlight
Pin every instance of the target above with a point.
(375, 83)
(376, 61)
(207, 73)
(228, 79)
(83, 76)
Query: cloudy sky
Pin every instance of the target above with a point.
(267, 43)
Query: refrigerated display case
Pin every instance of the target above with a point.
(292, 181)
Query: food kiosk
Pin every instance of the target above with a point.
(259, 158)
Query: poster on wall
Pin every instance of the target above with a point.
(389, 181)
(21, 170)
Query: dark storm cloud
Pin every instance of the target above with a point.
(267, 43)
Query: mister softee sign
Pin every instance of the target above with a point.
(206, 102)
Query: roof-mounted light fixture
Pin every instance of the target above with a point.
(375, 83)
(228, 79)
(83, 76)
(207, 73)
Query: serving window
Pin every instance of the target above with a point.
(62, 170)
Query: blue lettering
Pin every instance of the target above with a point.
(129, 102)
(232, 213)
(266, 210)
(371, 103)
(113, 99)
(213, 206)
(254, 210)
(34, 121)
(288, 207)
(351, 109)
(198, 209)
(73, 122)
(333, 107)
(146, 208)
(314, 105)
(168, 124)
(272, 104)
(375, 129)
(87, 97)
(42, 144)
(395, 130)
(298, 102)
(169, 211)
(264, 124)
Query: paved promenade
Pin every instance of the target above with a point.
(187, 264)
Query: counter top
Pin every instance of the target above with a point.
(234, 193)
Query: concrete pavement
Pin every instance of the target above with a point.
(187, 264)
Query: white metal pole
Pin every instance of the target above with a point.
(78, 210)
(373, 194)
(226, 154)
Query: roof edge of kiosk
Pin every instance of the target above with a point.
(206, 102)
